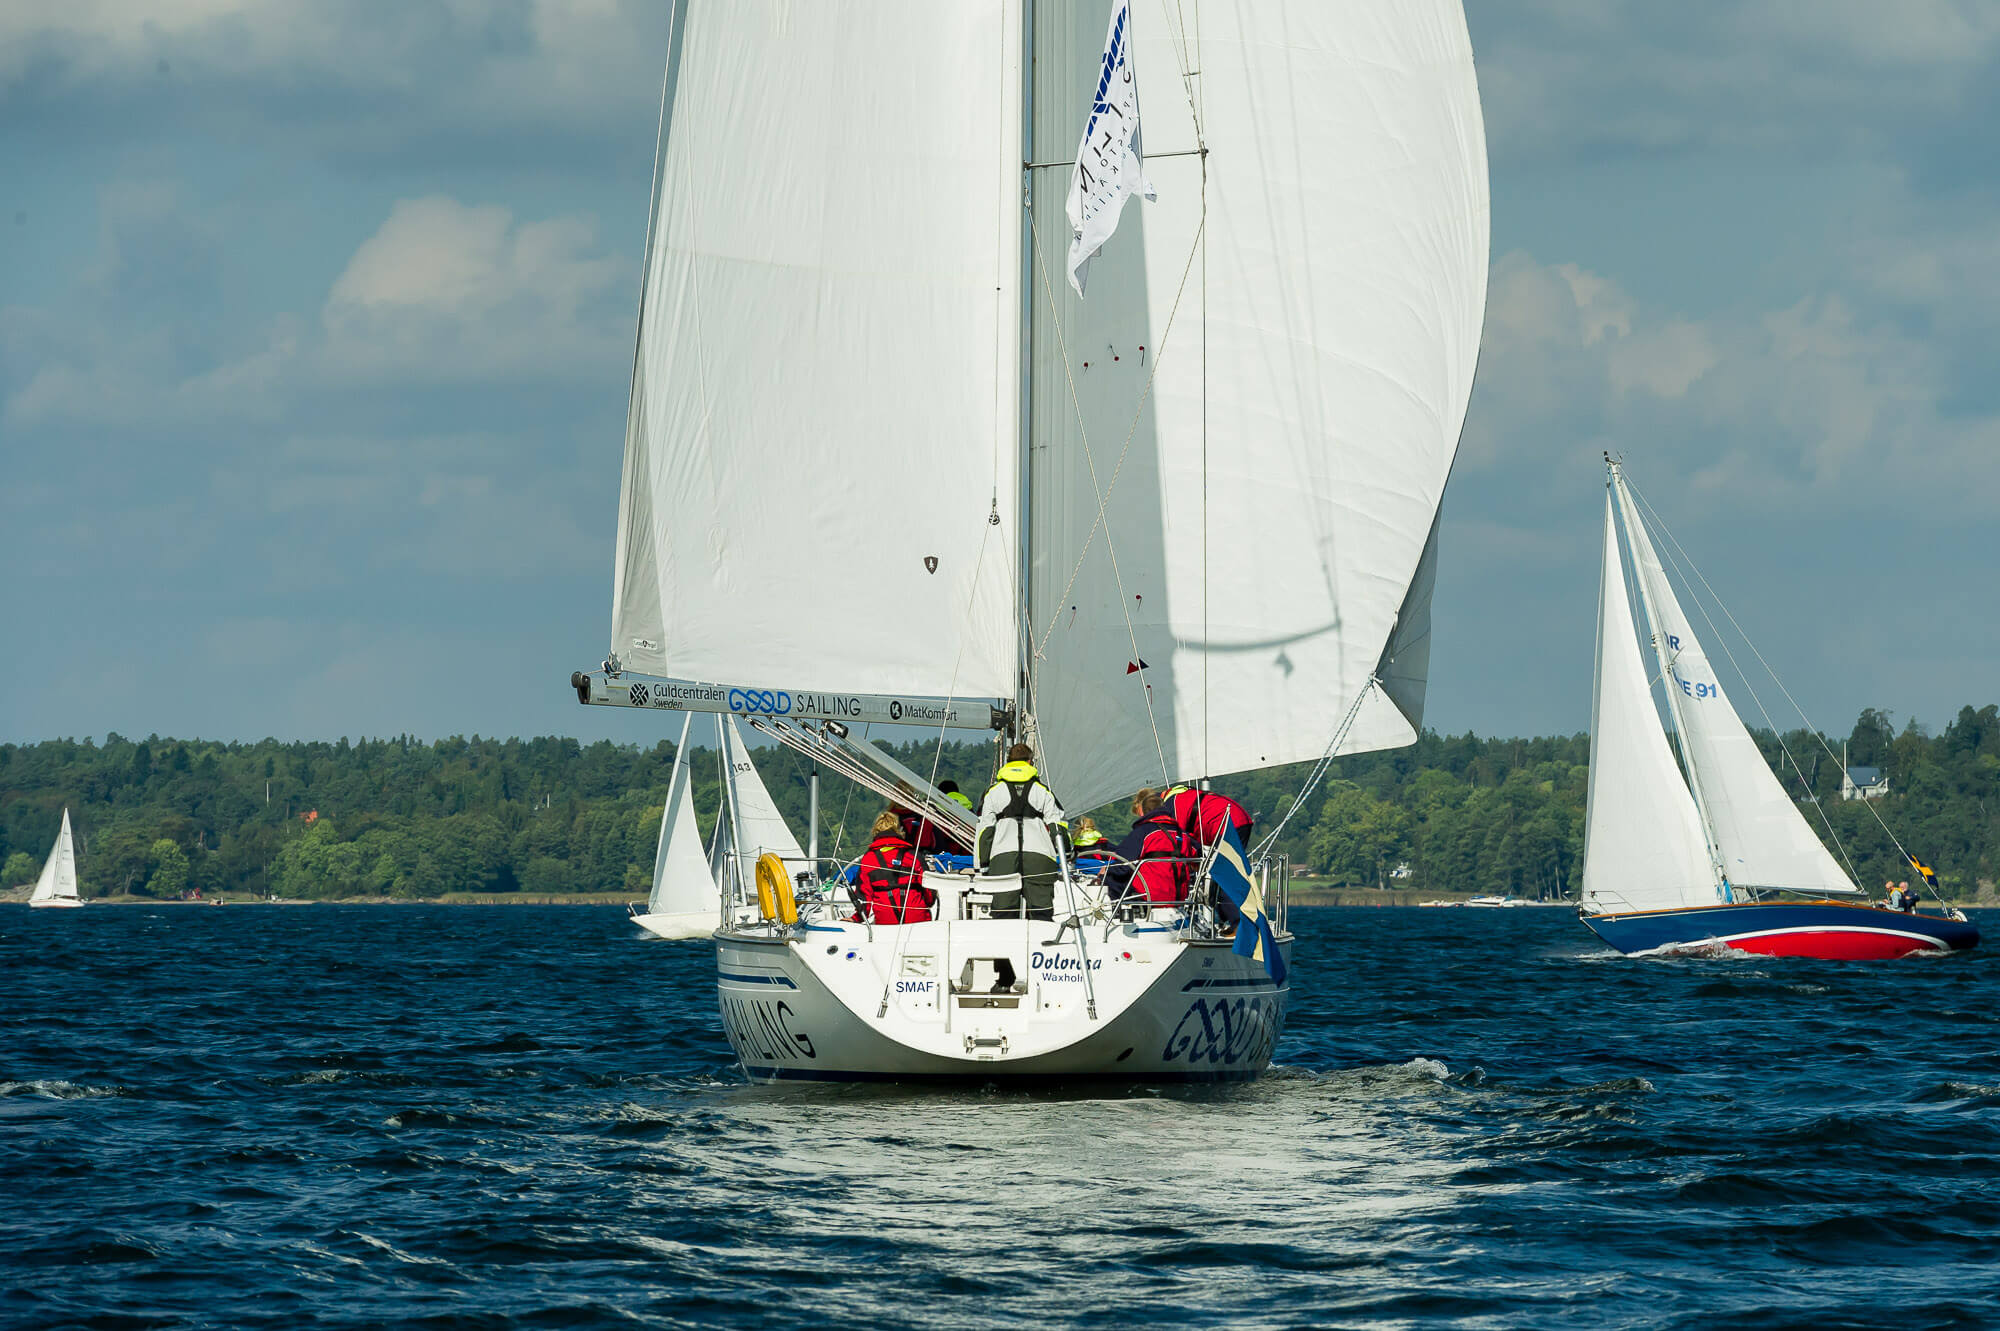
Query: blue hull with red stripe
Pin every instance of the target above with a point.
(1829, 930)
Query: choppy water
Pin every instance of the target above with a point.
(455, 1117)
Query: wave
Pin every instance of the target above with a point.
(61, 1090)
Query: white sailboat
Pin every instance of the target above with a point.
(690, 885)
(57, 884)
(885, 464)
(686, 901)
(1671, 863)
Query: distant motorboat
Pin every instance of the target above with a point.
(1672, 864)
(1495, 901)
(57, 885)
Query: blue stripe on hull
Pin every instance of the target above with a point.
(1763, 926)
(999, 1074)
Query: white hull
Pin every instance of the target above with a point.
(51, 903)
(690, 924)
(844, 1002)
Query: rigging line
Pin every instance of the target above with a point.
(1319, 768)
(1186, 70)
(1103, 495)
(840, 832)
(1688, 560)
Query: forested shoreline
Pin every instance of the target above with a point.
(404, 818)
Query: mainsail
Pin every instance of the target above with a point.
(1760, 835)
(876, 442)
(819, 476)
(1643, 846)
(58, 878)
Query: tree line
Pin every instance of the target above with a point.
(407, 818)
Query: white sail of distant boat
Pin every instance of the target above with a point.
(57, 884)
(756, 828)
(685, 901)
(1761, 838)
(1658, 836)
(1643, 847)
(689, 885)
(884, 464)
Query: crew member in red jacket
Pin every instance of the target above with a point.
(1163, 856)
(889, 883)
(1202, 814)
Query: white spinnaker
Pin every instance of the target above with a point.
(1270, 500)
(1763, 838)
(1643, 847)
(757, 827)
(683, 883)
(824, 397)
(58, 877)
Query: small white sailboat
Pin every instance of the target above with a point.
(57, 885)
(690, 885)
(1672, 863)
(685, 901)
(884, 464)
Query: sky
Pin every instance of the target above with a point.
(316, 327)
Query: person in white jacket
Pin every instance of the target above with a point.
(1021, 831)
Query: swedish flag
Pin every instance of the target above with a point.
(1230, 868)
(1925, 872)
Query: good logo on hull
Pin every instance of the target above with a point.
(1228, 1031)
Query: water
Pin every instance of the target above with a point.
(456, 1117)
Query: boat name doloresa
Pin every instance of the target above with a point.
(1056, 961)
(765, 1028)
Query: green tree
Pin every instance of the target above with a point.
(170, 870)
(21, 868)
(1358, 838)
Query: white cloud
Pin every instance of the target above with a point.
(345, 77)
(1809, 403)
(443, 290)
(1562, 75)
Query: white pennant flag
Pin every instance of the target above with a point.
(1107, 159)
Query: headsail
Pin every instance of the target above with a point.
(1240, 441)
(58, 877)
(683, 883)
(1763, 839)
(820, 484)
(1643, 846)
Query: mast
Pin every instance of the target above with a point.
(1024, 377)
(1658, 639)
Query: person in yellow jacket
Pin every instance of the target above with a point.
(1020, 831)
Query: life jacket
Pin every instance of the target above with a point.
(1167, 858)
(1031, 823)
(889, 885)
(1203, 814)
